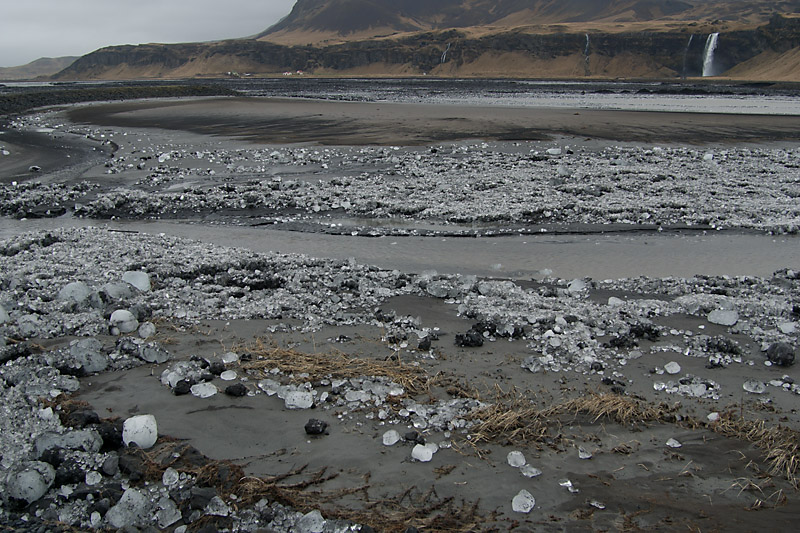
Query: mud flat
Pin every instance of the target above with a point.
(294, 393)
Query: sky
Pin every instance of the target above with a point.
(30, 29)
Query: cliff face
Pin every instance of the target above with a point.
(636, 54)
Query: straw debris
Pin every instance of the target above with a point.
(316, 366)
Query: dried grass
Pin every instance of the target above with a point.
(513, 419)
(780, 445)
(339, 365)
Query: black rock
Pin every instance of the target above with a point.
(236, 390)
(81, 418)
(424, 344)
(414, 437)
(183, 387)
(54, 456)
(131, 463)
(781, 354)
(69, 472)
(111, 433)
(101, 506)
(111, 465)
(316, 427)
(216, 368)
(597, 366)
(470, 339)
(201, 496)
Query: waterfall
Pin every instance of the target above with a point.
(586, 70)
(444, 54)
(708, 55)
(686, 55)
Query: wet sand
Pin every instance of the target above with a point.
(711, 482)
(280, 121)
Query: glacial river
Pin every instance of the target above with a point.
(599, 256)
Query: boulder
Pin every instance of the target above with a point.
(780, 354)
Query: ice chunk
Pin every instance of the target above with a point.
(754, 386)
(672, 368)
(140, 280)
(170, 477)
(84, 440)
(312, 522)
(31, 481)
(391, 437)
(583, 453)
(529, 471)
(146, 330)
(516, 459)
(217, 507)
(613, 301)
(576, 285)
(523, 502)
(77, 292)
(204, 390)
(230, 358)
(299, 400)
(141, 430)
(723, 317)
(228, 375)
(424, 452)
(672, 443)
(133, 509)
(87, 354)
(567, 484)
(124, 321)
(168, 513)
(93, 477)
(153, 353)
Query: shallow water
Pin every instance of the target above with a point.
(599, 256)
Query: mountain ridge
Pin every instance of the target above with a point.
(44, 66)
(328, 21)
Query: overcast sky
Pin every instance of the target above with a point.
(30, 29)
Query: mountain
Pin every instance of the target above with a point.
(328, 21)
(46, 66)
(481, 38)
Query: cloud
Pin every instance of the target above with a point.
(54, 28)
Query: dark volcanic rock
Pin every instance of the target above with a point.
(781, 354)
(316, 427)
(470, 339)
(237, 390)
